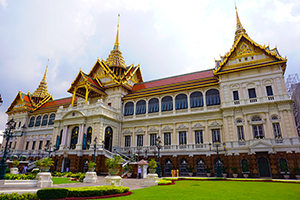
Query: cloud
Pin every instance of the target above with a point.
(3, 3)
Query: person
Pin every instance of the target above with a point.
(140, 172)
(67, 169)
(25, 169)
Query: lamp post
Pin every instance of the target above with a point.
(95, 148)
(9, 133)
(158, 145)
(49, 149)
(1, 101)
(217, 144)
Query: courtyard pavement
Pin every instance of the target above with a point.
(132, 183)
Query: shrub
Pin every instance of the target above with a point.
(114, 162)
(20, 176)
(52, 193)
(152, 164)
(69, 174)
(15, 163)
(164, 182)
(16, 196)
(7, 170)
(96, 191)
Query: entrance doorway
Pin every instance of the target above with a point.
(168, 167)
(263, 167)
(108, 138)
(66, 165)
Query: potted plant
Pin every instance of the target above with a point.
(224, 171)
(152, 166)
(113, 164)
(91, 166)
(15, 163)
(129, 170)
(208, 171)
(245, 169)
(46, 164)
(234, 170)
(190, 169)
(297, 172)
(285, 169)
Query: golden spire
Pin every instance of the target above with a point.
(239, 27)
(116, 46)
(115, 58)
(42, 90)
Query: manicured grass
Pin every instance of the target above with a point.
(188, 190)
(61, 180)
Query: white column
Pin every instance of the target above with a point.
(64, 137)
(269, 125)
(235, 138)
(190, 135)
(207, 136)
(284, 134)
(292, 123)
(247, 136)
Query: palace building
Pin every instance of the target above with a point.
(240, 105)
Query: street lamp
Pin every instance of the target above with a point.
(217, 144)
(1, 101)
(95, 148)
(158, 145)
(8, 134)
(49, 149)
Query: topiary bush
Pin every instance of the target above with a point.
(16, 196)
(96, 191)
(52, 193)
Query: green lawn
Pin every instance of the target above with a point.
(61, 180)
(188, 190)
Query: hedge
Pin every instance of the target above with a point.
(52, 193)
(20, 176)
(94, 191)
(16, 196)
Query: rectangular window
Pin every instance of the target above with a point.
(276, 129)
(252, 93)
(167, 138)
(15, 145)
(240, 131)
(152, 139)
(269, 90)
(10, 145)
(182, 137)
(198, 137)
(140, 140)
(33, 145)
(236, 95)
(216, 135)
(47, 143)
(127, 141)
(41, 144)
(258, 131)
(27, 144)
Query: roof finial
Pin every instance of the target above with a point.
(42, 89)
(239, 27)
(44, 78)
(116, 46)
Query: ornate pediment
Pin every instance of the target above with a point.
(215, 124)
(167, 128)
(152, 129)
(140, 130)
(182, 126)
(198, 125)
(127, 132)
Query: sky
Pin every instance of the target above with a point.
(165, 37)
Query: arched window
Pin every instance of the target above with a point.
(74, 137)
(153, 105)
(200, 167)
(167, 103)
(221, 164)
(181, 102)
(52, 117)
(140, 107)
(38, 121)
(31, 122)
(212, 97)
(245, 165)
(58, 139)
(283, 164)
(45, 120)
(87, 138)
(129, 107)
(256, 119)
(183, 171)
(196, 99)
(168, 167)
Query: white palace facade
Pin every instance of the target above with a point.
(241, 105)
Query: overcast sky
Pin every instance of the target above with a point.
(167, 38)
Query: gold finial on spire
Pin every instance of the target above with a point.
(42, 90)
(239, 27)
(116, 46)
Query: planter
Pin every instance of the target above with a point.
(297, 176)
(152, 171)
(224, 175)
(246, 175)
(14, 170)
(92, 169)
(235, 175)
(208, 174)
(190, 174)
(44, 169)
(113, 172)
(286, 176)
